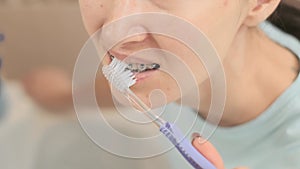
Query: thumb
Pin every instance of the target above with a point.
(208, 151)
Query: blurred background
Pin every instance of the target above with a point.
(40, 33)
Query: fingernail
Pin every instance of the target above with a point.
(197, 136)
(194, 136)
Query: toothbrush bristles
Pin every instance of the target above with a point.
(117, 74)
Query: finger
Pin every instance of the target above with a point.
(208, 151)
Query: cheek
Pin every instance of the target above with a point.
(220, 27)
(186, 59)
(219, 20)
(93, 13)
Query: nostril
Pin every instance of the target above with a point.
(137, 34)
(137, 30)
(122, 34)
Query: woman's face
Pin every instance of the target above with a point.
(219, 20)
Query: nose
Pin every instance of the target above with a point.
(124, 26)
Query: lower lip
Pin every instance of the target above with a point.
(144, 75)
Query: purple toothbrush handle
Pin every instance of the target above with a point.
(196, 159)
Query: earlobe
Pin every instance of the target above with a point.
(260, 12)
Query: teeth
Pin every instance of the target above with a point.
(111, 56)
(139, 67)
(155, 66)
(142, 67)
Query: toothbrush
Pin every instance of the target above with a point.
(122, 78)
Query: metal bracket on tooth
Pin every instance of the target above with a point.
(137, 67)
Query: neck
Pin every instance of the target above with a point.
(257, 71)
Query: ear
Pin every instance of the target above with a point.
(259, 11)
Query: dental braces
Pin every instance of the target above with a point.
(140, 67)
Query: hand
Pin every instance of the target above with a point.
(209, 151)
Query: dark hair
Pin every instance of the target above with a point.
(287, 17)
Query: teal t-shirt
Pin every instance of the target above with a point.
(272, 140)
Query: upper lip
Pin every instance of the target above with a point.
(117, 55)
(132, 58)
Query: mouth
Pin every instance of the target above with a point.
(141, 70)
